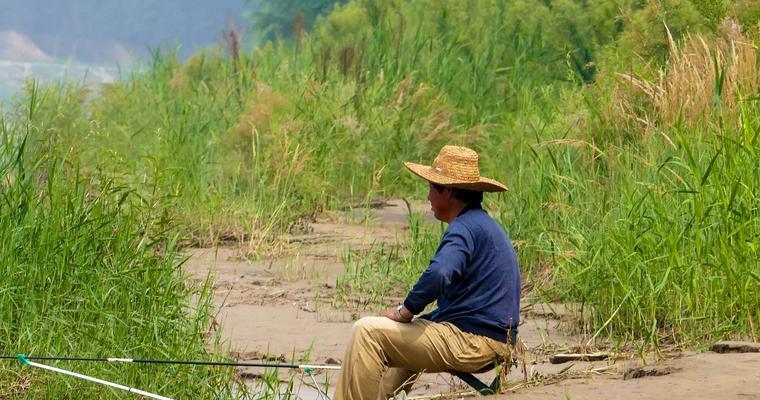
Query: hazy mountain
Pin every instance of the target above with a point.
(84, 40)
(16, 46)
(107, 31)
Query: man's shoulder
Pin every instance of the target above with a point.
(475, 218)
(478, 224)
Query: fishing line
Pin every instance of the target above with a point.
(180, 362)
(316, 385)
(26, 361)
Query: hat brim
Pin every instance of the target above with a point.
(427, 173)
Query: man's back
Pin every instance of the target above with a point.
(474, 277)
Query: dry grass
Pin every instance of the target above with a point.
(705, 76)
(263, 103)
(578, 144)
(18, 386)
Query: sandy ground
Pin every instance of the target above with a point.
(282, 308)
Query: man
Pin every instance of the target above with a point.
(474, 278)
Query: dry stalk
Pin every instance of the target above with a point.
(573, 143)
(262, 105)
(346, 59)
(18, 387)
(446, 396)
(232, 39)
(704, 76)
(178, 80)
(298, 29)
(539, 379)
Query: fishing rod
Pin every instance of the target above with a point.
(176, 362)
(129, 389)
(27, 360)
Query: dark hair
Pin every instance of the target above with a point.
(469, 197)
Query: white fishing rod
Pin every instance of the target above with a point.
(150, 395)
(26, 361)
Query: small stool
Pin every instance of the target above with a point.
(477, 384)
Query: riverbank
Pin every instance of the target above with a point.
(281, 309)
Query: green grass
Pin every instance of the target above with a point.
(653, 228)
(381, 276)
(91, 269)
(658, 243)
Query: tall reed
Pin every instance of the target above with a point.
(649, 232)
(91, 269)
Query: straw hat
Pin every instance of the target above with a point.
(456, 167)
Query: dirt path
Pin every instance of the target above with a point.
(690, 376)
(278, 306)
(281, 308)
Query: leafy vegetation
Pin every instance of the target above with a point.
(286, 20)
(90, 269)
(626, 130)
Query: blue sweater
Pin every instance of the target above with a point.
(474, 277)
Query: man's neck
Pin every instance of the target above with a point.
(455, 211)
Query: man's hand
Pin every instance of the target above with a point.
(399, 314)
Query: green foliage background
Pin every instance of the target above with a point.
(652, 231)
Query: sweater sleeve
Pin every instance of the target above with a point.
(447, 265)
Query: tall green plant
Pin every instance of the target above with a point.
(91, 269)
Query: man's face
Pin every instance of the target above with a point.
(440, 201)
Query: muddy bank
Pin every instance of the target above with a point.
(689, 376)
(281, 309)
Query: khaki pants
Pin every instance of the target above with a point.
(407, 348)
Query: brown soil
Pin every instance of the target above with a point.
(281, 308)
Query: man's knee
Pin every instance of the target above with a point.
(371, 327)
(368, 324)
